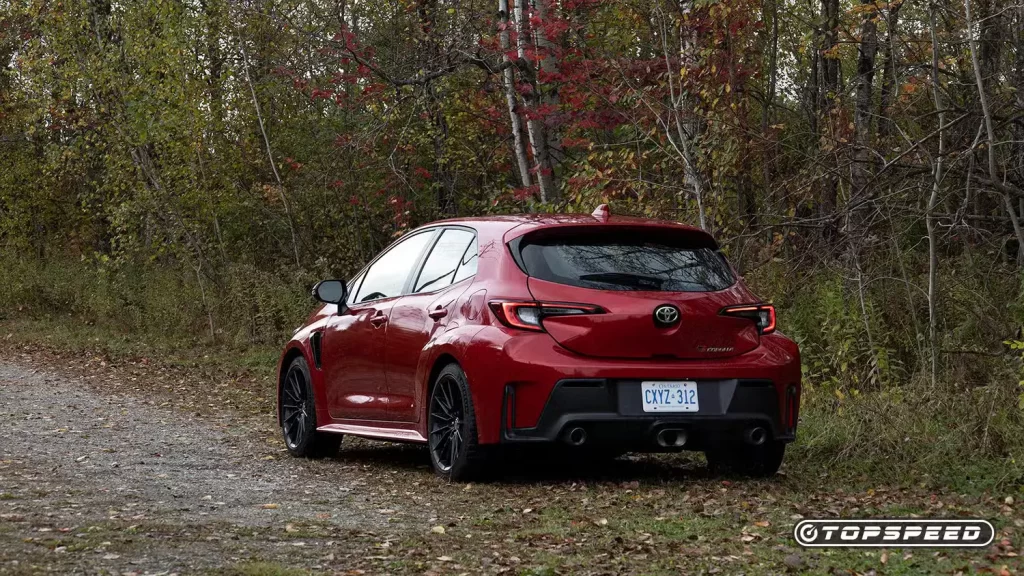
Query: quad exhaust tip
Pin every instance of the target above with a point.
(671, 437)
(756, 436)
(577, 436)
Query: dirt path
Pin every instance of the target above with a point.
(116, 470)
(78, 467)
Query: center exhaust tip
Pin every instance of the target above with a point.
(671, 437)
(577, 436)
(756, 436)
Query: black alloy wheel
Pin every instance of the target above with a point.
(295, 409)
(447, 419)
(298, 416)
(451, 427)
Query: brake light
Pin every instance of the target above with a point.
(528, 315)
(762, 314)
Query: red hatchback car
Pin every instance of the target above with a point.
(602, 334)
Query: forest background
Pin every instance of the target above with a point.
(179, 172)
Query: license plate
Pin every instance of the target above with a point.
(669, 396)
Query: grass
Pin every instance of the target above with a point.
(750, 534)
(264, 569)
(69, 335)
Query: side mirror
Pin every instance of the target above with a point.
(331, 292)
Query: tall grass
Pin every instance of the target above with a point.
(241, 306)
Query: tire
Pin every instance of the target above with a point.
(297, 414)
(742, 460)
(455, 453)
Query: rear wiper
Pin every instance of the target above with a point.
(625, 279)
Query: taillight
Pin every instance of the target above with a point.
(762, 314)
(528, 315)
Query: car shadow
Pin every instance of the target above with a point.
(536, 465)
(561, 466)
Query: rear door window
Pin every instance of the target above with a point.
(467, 267)
(445, 257)
(661, 260)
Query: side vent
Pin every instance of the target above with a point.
(792, 408)
(314, 343)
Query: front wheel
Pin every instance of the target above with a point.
(297, 413)
(451, 425)
(744, 460)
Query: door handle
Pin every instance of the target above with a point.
(378, 320)
(438, 313)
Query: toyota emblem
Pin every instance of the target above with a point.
(666, 315)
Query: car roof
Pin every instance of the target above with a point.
(515, 225)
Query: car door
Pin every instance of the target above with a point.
(417, 316)
(353, 341)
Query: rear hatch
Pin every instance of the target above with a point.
(631, 273)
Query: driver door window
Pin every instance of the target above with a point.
(387, 276)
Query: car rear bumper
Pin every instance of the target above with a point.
(609, 412)
(527, 388)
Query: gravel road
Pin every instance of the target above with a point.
(84, 469)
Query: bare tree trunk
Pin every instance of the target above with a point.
(767, 155)
(543, 166)
(990, 131)
(548, 89)
(270, 158)
(829, 92)
(431, 57)
(212, 11)
(206, 305)
(889, 74)
(679, 132)
(988, 50)
(937, 175)
(511, 98)
(1018, 83)
(861, 194)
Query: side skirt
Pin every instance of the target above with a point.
(378, 430)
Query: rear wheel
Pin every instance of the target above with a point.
(451, 424)
(297, 413)
(744, 460)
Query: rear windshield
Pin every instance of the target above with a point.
(637, 260)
